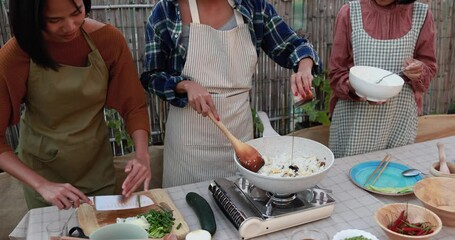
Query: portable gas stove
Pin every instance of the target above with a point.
(255, 212)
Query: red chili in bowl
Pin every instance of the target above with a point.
(403, 226)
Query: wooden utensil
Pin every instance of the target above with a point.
(443, 168)
(381, 166)
(248, 156)
(387, 161)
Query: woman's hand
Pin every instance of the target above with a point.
(413, 69)
(62, 195)
(356, 97)
(170, 236)
(198, 97)
(138, 168)
(301, 81)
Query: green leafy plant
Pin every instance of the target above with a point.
(317, 111)
(120, 135)
(257, 121)
(451, 109)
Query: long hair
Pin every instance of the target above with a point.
(27, 23)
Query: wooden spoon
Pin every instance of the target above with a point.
(248, 156)
(442, 159)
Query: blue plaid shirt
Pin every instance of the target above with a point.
(165, 56)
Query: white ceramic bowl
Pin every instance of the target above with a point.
(309, 234)
(363, 79)
(119, 231)
(349, 233)
(272, 146)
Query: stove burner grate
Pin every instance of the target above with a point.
(255, 212)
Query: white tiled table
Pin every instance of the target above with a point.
(354, 207)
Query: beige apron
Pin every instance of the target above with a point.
(64, 137)
(223, 62)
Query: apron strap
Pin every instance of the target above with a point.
(356, 15)
(91, 44)
(237, 14)
(195, 13)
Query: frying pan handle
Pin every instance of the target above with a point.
(268, 129)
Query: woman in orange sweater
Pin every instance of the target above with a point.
(65, 68)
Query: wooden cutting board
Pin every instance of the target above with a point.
(90, 219)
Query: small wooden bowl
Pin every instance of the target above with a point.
(390, 212)
(438, 195)
(434, 170)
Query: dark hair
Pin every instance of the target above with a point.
(405, 1)
(26, 18)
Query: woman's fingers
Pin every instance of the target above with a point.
(137, 174)
(301, 83)
(135, 185)
(377, 102)
(301, 87)
(65, 196)
(412, 69)
(170, 236)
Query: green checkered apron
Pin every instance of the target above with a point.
(359, 127)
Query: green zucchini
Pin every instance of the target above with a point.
(203, 211)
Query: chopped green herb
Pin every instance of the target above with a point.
(361, 237)
(178, 226)
(161, 223)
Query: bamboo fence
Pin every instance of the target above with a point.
(271, 91)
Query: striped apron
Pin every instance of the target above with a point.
(224, 63)
(359, 127)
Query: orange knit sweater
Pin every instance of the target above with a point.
(125, 93)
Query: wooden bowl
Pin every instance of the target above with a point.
(390, 212)
(434, 170)
(438, 195)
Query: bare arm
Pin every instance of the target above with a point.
(62, 195)
(198, 97)
(138, 168)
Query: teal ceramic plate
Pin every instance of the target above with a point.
(390, 178)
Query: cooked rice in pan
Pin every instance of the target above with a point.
(284, 166)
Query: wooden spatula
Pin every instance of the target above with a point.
(248, 156)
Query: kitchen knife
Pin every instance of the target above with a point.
(119, 202)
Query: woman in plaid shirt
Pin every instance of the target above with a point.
(200, 57)
(366, 33)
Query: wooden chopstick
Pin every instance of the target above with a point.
(377, 168)
(382, 170)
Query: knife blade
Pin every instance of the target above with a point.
(119, 202)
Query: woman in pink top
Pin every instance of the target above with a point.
(392, 35)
